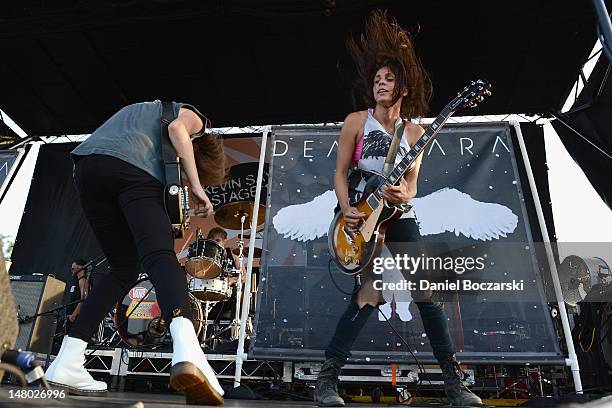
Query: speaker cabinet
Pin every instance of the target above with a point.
(36, 294)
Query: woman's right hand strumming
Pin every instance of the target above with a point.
(352, 217)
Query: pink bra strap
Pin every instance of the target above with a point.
(358, 150)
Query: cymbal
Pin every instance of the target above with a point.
(228, 216)
(245, 252)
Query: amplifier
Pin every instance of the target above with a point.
(36, 294)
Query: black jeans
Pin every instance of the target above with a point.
(432, 314)
(124, 206)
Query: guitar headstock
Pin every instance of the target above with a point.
(471, 95)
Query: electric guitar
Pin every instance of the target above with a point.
(176, 199)
(354, 249)
(176, 196)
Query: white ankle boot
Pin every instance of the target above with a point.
(190, 371)
(68, 371)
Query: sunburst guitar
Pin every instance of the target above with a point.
(353, 249)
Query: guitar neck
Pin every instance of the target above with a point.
(425, 140)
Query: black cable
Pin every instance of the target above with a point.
(419, 365)
(331, 276)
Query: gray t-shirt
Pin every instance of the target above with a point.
(133, 135)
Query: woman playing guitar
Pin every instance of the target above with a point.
(394, 84)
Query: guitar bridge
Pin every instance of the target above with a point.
(348, 235)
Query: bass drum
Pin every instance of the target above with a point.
(138, 317)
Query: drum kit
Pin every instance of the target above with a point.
(210, 268)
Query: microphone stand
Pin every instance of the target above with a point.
(56, 313)
(93, 264)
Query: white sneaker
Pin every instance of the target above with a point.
(190, 371)
(68, 371)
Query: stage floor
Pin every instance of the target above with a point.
(158, 400)
(175, 401)
(116, 399)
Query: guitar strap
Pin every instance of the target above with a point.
(357, 176)
(168, 154)
(400, 124)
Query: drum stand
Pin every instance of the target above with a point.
(106, 323)
(206, 308)
(235, 325)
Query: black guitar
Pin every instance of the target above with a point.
(176, 196)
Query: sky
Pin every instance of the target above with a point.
(579, 213)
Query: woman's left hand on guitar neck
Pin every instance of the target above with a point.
(400, 194)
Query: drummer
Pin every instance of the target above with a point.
(219, 235)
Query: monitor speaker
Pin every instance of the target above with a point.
(36, 294)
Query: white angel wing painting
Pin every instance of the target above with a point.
(308, 221)
(445, 210)
(451, 210)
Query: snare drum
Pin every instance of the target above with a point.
(205, 259)
(213, 290)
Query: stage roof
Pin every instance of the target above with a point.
(65, 66)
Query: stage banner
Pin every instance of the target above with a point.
(469, 202)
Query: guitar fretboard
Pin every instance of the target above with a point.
(469, 97)
(425, 140)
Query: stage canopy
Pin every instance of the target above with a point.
(66, 65)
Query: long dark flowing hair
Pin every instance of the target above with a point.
(210, 159)
(385, 43)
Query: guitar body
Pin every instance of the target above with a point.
(176, 196)
(176, 200)
(353, 251)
